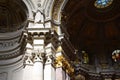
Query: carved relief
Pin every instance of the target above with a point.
(50, 59)
(10, 43)
(28, 60)
(36, 56)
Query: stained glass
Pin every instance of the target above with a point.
(116, 55)
(102, 3)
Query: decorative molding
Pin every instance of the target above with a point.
(38, 58)
(12, 48)
(30, 6)
(6, 44)
(10, 55)
(56, 9)
(49, 59)
(48, 8)
(28, 61)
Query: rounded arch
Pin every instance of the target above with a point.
(13, 16)
(57, 9)
(31, 7)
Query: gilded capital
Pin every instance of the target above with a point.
(61, 61)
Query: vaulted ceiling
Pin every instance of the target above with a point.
(92, 29)
(13, 15)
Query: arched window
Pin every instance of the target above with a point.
(102, 3)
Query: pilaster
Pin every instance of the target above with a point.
(49, 68)
(51, 44)
(38, 67)
(28, 69)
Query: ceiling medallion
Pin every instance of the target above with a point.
(102, 3)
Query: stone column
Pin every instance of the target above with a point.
(49, 69)
(28, 63)
(28, 70)
(38, 67)
(60, 74)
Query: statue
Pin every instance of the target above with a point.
(85, 57)
(39, 17)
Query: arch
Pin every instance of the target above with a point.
(57, 9)
(52, 9)
(31, 7)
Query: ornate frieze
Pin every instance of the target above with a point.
(11, 48)
(10, 54)
(7, 44)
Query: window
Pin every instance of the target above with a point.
(102, 3)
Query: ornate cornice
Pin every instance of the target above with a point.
(10, 55)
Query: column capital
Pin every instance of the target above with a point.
(50, 59)
(38, 58)
(61, 61)
(28, 61)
